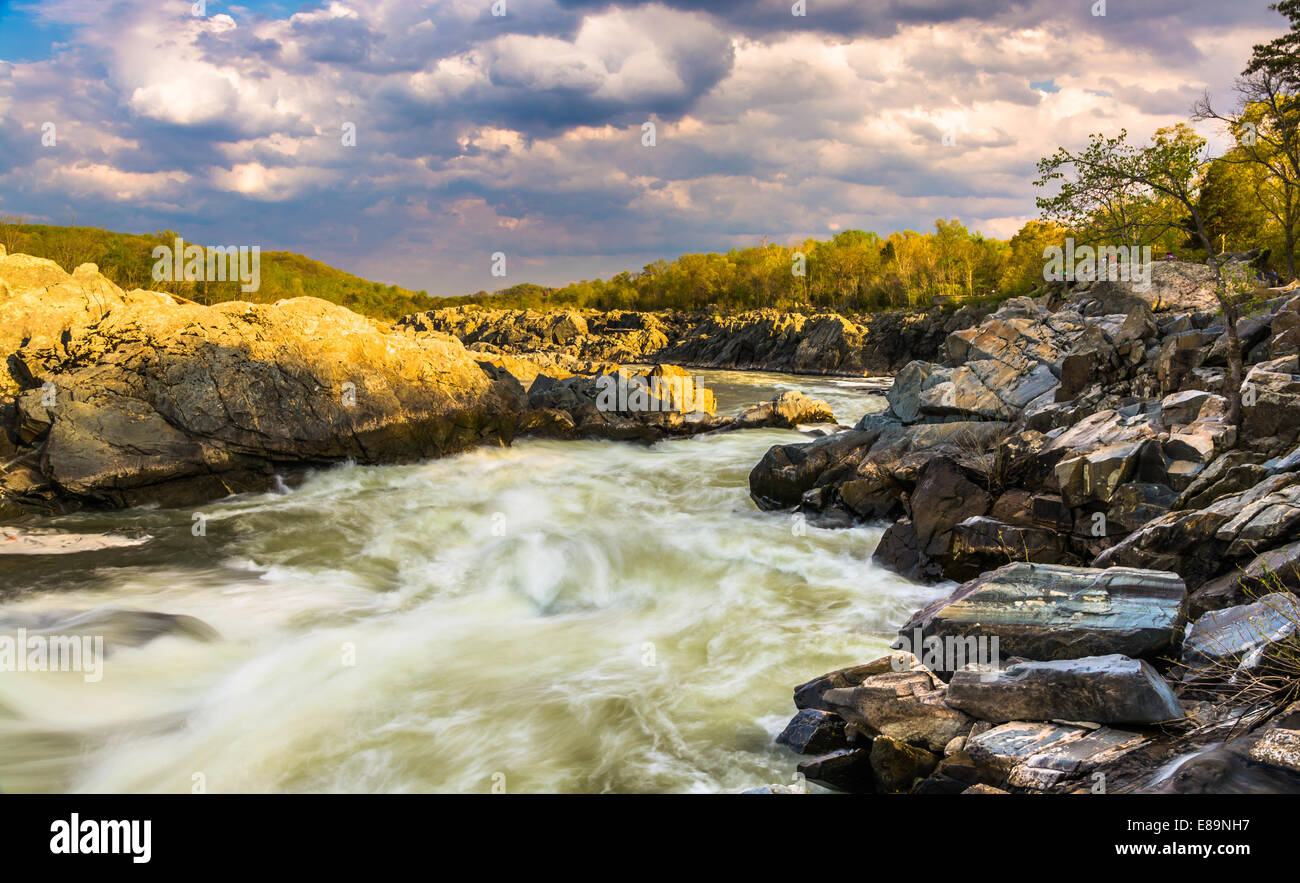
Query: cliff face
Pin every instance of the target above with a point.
(765, 340)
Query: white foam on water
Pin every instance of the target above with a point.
(556, 616)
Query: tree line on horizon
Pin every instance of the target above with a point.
(1169, 195)
(855, 271)
(127, 259)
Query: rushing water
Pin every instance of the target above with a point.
(557, 616)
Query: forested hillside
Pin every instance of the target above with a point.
(127, 259)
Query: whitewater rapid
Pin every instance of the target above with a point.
(552, 617)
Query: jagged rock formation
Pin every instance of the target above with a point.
(114, 398)
(1070, 460)
(767, 340)
(1082, 692)
(1054, 435)
(119, 398)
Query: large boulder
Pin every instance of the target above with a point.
(944, 498)
(787, 411)
(904, 705)
(1271, 399)
(787, 472)
(982, 544)
(1046, 612)
(1177, 286)
(1101, 689)
(41, 307)
(162, 401)
(1200, 544)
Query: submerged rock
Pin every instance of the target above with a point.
(16, 541)
(1222, 770)
(118, 628)
(787, 411)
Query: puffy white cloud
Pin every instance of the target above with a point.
(522, 133)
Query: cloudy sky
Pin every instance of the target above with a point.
(478, 133)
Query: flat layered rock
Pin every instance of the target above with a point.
(1071, 759)
(1241, 637)
(1046, 612)
(999, 750)
(1102, 689)
(810, 694)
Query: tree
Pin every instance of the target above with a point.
(1164, 180)
(1023, 271)
(11, 233)
(1266, 123)
(1230, 201)
(1280, 58)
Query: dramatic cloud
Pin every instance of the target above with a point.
(523, 133)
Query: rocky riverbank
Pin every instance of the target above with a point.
(113, 398)
(761, 340)
(1130, 551)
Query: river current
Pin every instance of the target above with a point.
(550, 617)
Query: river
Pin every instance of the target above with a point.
(552, 617)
